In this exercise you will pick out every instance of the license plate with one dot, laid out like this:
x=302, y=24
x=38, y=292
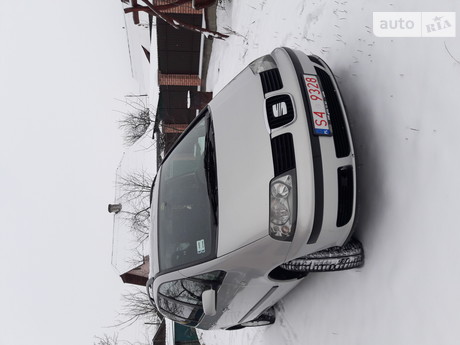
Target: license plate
x=318, y=109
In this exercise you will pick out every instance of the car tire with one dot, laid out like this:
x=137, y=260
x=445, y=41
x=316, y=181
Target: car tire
x=235, y=328
x=267, y=318
x=281, y=274
x=349, y=256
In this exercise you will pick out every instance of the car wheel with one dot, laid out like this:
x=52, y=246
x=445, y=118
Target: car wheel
x=349, y=256
x=234, y=328
x=256, y=323
x=281, y=274
x=268, y=317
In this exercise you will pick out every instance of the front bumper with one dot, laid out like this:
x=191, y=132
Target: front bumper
x=325, y=165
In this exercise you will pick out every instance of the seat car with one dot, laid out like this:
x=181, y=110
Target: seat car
x=258, y=191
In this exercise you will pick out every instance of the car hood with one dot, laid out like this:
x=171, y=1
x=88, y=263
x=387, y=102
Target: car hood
x=244, y=162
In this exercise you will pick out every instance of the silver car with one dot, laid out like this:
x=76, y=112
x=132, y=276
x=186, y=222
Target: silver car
x=258, y=191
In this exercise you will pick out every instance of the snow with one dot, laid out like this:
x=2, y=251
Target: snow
x=138, y=159
x=154, y=88
x=402, y=98
x=138, y=36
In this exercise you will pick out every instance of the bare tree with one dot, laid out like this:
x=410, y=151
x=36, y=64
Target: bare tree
x=136, y=121
x=158, y=11
x=107, y=340
x=135, y=191
x=136, y=185
x=137, y=307
x=139, y=220
x=113, y=340
x=158, y=7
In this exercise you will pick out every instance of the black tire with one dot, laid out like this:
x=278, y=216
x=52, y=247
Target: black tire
x=268, y=317
x=281, y=274
x=235, y=328
x=349, y=256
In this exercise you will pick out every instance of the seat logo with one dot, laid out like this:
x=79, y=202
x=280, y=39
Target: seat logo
x=279, y=109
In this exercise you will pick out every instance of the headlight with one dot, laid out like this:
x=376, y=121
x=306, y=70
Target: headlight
x=279, y=212
x=262, y=64
x=283, y=206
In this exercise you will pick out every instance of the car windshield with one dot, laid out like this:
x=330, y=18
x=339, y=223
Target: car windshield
x=187, y=207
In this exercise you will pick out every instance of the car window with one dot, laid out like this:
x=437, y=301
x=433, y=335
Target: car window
x=187, y=207
x=181, y=299
x=180, y=312
x=184, y=290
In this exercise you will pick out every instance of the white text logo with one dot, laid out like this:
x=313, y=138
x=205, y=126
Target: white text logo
x=414, y=24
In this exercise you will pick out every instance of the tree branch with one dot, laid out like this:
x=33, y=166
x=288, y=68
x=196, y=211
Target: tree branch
x=159, y=8
x=179, y=24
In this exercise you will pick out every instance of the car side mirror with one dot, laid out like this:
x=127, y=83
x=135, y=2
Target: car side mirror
x=208, y=299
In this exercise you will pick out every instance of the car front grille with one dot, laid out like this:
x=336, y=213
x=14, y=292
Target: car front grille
x=283, y=153
x=346, y=191
x=280, y=111
x=339, y=130
x=271, y=80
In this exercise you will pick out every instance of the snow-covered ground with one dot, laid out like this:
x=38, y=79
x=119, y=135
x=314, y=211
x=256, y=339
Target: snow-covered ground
x=403, y=97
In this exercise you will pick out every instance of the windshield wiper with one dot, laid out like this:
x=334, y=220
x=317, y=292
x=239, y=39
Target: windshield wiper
x=210, y=168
